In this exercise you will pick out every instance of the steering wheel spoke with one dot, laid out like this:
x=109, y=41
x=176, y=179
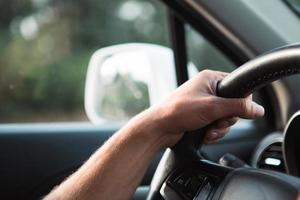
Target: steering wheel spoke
x=197, y=180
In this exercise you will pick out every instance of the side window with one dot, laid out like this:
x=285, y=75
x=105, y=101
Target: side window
x=45, y=46
x=204, y=55
x=126, y=78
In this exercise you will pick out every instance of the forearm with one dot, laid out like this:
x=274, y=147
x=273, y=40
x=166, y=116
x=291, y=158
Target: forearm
x=115, y=170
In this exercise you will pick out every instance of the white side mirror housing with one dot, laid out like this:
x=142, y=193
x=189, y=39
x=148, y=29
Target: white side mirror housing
x=120, y=77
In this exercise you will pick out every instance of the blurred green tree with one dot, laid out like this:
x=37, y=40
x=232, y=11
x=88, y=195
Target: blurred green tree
x=45, y=47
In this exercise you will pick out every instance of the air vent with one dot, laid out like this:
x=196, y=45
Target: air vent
x=271, y=158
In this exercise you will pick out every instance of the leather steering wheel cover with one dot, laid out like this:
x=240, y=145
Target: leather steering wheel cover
x=260, y=71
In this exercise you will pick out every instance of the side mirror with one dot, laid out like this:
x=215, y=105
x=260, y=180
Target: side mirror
x=123, y=80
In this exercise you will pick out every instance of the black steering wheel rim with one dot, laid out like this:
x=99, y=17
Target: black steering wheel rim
x=249, y=77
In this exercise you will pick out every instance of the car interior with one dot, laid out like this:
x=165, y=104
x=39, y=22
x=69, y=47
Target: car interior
x=256, y=41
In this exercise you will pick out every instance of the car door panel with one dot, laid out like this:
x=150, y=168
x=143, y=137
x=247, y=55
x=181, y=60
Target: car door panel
x=35, y=158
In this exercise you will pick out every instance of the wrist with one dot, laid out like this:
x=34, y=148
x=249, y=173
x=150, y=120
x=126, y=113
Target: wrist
x=154, y=126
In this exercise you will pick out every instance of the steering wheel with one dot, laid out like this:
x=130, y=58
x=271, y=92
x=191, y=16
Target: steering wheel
x=183, y=175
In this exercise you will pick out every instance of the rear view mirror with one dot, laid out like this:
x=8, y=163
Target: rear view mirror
x=123, y=80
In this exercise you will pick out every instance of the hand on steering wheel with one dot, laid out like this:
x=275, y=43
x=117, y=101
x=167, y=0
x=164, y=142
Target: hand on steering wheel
x=195, y=105
x=182, y=161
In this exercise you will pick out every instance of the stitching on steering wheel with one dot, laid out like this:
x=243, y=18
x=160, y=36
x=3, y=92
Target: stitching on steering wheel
x=270, y=76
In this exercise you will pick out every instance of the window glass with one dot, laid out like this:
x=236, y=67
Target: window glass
x=45, y=46
x=204, y=55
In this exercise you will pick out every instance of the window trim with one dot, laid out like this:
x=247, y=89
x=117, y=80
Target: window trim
x=221, y=37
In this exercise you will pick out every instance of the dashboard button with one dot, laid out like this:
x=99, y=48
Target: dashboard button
x=205, y=191
x=182, y=181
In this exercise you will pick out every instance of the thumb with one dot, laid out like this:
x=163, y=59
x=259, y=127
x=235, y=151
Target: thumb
x=244, y=108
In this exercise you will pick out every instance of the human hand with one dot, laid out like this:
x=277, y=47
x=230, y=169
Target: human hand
x=195, y=105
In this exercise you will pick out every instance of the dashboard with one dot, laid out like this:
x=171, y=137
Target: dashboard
x=269, y=154
x=278, y=150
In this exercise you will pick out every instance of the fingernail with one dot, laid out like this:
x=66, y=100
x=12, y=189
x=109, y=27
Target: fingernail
x=259, y=110
x=212, y=136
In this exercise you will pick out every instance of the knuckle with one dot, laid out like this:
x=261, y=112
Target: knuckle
x=206, y=72
x=243, y=106
x=251, y=111
x=247, y=108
